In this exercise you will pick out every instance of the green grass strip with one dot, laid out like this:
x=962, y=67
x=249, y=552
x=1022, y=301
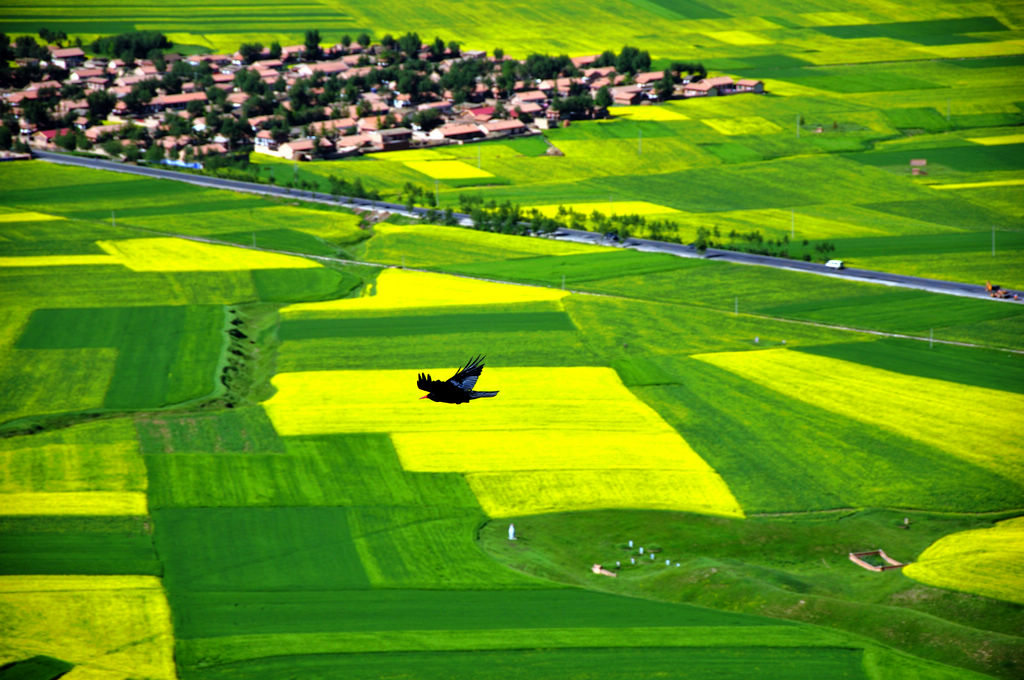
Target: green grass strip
x=387, y=326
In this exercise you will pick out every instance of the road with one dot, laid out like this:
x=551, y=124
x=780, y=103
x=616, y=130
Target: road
x=647, y=245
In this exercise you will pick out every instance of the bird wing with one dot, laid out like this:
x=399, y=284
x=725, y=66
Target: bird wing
x=467, y=376
x=426, y=384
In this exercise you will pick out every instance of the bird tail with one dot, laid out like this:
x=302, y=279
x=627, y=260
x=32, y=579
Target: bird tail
x=477, y=395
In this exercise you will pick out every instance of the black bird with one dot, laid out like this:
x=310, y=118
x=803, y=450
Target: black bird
x=457, y=389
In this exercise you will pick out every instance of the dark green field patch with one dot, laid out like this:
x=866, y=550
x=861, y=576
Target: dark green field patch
x=946, y=210
x=303, y=285
x=281, y=239
x=920, y=244
x=165, y=354
x=218, y=552
x=920, y=118
x=928, y=32
x=240, y=430
x=733, y=152
x=77, y=545
x=689, y=9
x=968, y=158
x=981, y=368
x=305, y=610
x=389, y=326
x=38, y=667
x=700, y=663
x=909, y=311
x=575, y=268
x=28, y=248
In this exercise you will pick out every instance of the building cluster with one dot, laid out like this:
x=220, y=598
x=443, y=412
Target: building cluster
x=379, y=118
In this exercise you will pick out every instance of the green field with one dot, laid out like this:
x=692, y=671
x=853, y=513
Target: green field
x=203, y=477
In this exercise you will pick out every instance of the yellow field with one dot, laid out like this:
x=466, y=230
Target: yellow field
x=28, y=216
x=980, y=185
x=108, y=626
x=742, y=125
x=182, y=255
x=987, y=562
x=400, y=289
x=447, y=169
x=576, y=451
x=74, y=503
x=607, y=208
x=495, y=245
x=653, y=113
x=56, y=260
x=962, y=420
x=739, y=38
x=511, y=494
x=997, y=141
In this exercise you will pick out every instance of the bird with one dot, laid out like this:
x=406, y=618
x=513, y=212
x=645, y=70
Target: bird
x=457, y=389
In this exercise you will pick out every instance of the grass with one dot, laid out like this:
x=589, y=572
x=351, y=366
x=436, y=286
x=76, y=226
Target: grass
x=304, y=329
x=86, y=545
x=795, y=568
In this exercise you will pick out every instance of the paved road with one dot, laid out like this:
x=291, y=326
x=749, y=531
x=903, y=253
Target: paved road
x=899, y=280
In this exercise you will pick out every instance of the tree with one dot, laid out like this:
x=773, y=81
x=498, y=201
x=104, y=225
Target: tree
x=312, y=43
x=250, y=52
x=5, y=137
x=665, y=87
x=66, y=141
x=364, y=40
x=410, y=44
x=195, y=107
x=453, y=47
x=346, y=40
x=101, y=103
x=113, y=147
x=155, y=153
x=275, y=50
x=604, y=97
x=499, y=54
x=49, y=36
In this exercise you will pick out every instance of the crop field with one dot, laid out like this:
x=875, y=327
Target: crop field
x=193, y=435
x=983, y=561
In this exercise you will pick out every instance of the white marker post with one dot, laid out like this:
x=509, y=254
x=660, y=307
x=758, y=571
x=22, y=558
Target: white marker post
x=511, y=532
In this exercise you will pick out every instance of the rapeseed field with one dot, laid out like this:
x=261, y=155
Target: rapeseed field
x=182, y=255
x=987, y=562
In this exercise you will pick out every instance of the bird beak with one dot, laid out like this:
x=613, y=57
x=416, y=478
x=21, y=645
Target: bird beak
x=424, y=396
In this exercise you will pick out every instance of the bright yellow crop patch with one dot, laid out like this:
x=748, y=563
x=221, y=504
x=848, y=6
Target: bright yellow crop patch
x=739, y=38
x=401, y=289
x=183, y=255
x=653, y=113
x=980, y=185
x=742, y=125
x=965, y=421
x=577, y=449
x=607, y=208
x=108, y=626
x=447, y=169
x=998, y=140
x=987, y=562
x=74, y=503
x=28, y=216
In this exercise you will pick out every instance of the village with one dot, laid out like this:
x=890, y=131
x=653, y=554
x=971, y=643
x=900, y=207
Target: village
x=305, y=102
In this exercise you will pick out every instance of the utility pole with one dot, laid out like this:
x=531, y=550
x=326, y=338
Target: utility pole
x=640, y=143
x=113, y=221
x=931, y=338
x=798, y=126
x=563, y=281
x=792, y=224
x=437, y=201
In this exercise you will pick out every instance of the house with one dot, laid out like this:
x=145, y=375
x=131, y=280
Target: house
x=351, y=144
x=297, y=149
x=44, y=138
x=456, y=132
x=335, y=124
x=748, y=85
x=648, y=78
x=66, y=57
x=503, y=128
x=584, y=62
x=530, y=97
x=264, y=142
x=627, y=95
x=392, y=139
x=176, y=102
x=80, y=74
x=709, y=87
x=292, y=52
x=327, y=68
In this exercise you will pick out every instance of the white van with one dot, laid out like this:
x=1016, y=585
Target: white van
x=834, y=264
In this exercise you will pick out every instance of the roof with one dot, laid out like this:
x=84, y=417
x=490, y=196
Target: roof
x=300, y=144
x=172, y=99
x=65, y=52
x=501, y=125
x=455, y=129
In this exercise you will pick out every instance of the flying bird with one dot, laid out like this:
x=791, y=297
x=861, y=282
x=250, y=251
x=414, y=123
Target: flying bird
x=457, y=389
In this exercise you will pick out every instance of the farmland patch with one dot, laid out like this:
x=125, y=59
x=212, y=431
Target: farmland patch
x=183, y=255
x=496, y=322
x=964, y=421
x=983, y=561
x=129, y=631
x=447, y=170
x=646, y=113
x=743, y=125
x=397, y=289
x=574, y=268
x=77, y=545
